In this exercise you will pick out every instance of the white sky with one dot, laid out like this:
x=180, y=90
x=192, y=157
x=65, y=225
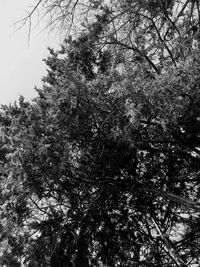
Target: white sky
x=21, y=65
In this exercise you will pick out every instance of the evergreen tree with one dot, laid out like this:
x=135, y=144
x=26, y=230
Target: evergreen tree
x=102, y=168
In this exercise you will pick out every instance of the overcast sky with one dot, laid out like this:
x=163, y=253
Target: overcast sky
x=21, y=65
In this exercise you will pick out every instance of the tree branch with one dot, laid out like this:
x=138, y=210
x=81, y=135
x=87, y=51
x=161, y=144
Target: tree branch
x=168, y=244
x=177, y=199
x=136, y=50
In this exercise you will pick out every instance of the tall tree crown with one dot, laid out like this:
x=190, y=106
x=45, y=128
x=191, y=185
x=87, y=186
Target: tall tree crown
x=102, y=168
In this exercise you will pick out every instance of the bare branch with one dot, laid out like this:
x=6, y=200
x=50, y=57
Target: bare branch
x=28, y=18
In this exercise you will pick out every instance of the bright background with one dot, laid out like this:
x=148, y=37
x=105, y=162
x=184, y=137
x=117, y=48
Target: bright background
x=21, y=62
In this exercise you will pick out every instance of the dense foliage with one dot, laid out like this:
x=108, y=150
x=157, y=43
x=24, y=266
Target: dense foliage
x=102, y=168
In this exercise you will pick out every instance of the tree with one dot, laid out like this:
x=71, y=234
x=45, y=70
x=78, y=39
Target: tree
x=102, y=170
